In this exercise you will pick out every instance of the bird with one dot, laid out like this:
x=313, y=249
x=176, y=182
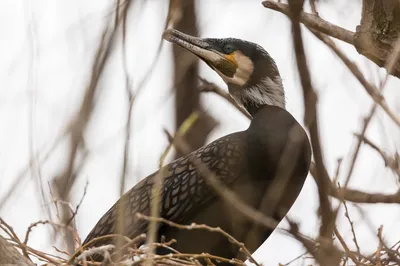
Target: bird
x=265, y=166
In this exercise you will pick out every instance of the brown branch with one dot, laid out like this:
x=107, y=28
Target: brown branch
x=295, y=259
x=373, y=91
x=65, y=181
x=55, y=260
x=311, y=121
x=380, y=246
x=346, y=248
x=207, y=86
x=185, y=73
x=347, y=215
x=315, y=22
x=374, y=38
x=391, y=162
x=363, y=197
x=10, y=256
x=75, y=212
x=324, y=252
x=378, y=31
x=43, y=222
x=353, y=195
x=10, y=231
x=357, y=196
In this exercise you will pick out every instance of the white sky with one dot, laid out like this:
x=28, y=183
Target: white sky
x=46, y=51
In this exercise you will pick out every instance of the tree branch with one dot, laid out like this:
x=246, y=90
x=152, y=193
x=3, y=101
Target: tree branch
x=357, y=196
x=375, y=36
x=315, y=22
x=311, y=121
x=10, y=256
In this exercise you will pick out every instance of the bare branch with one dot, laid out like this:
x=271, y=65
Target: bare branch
x=314, y=22
x=374, y=92
x=347, y=215
x=10, y=256
x=311, y=121
x=391, y=162
x=207, y=86
x=357, y=196
x=346, y=248
x=374, y=39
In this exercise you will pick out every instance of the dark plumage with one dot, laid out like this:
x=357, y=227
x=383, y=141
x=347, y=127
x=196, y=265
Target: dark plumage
x=247, y=162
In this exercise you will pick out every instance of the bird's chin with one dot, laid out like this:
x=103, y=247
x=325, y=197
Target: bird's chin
x=223, y=67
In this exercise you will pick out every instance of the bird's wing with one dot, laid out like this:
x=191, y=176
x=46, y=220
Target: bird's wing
x=184, y=190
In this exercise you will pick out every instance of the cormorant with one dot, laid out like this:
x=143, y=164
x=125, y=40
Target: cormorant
x=265, y=165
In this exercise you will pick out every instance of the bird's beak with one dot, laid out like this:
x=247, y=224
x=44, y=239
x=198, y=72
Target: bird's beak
x=205, y=50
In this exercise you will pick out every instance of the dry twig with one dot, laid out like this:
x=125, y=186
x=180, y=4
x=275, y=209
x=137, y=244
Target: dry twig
x=207, y=86
x=195, y=226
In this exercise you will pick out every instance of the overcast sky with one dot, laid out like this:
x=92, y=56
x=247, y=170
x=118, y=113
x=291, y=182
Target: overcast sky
x=46, y=52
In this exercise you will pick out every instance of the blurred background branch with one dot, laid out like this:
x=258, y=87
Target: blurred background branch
x=186, y=67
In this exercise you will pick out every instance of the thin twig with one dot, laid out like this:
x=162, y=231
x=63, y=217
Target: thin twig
x=346, y=248
x=207, y=86
x=43, y=222
x=347, y=215
x=392, y=163
x=75, y=212
x=93, y=241
x=380, y=245
x=295, y=259
x=14, y=236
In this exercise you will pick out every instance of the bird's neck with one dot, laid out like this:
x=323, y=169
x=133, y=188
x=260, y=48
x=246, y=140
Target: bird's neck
x=253, y=98
x=252, y=108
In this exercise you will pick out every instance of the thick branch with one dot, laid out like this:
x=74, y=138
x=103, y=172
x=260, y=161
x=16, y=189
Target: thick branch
x=315, y=22
x=10, y=256
x=378, y=31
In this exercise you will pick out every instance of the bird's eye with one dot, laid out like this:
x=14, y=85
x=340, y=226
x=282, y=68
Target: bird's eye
x=228, y=48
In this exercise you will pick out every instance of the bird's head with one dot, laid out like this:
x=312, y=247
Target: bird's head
x=249, y=71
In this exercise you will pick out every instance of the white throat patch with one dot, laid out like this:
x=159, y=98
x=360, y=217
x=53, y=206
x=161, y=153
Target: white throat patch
x=270, y=92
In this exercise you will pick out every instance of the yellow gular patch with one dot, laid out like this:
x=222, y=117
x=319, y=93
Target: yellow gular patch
x=231, y=58
x=244, y=68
